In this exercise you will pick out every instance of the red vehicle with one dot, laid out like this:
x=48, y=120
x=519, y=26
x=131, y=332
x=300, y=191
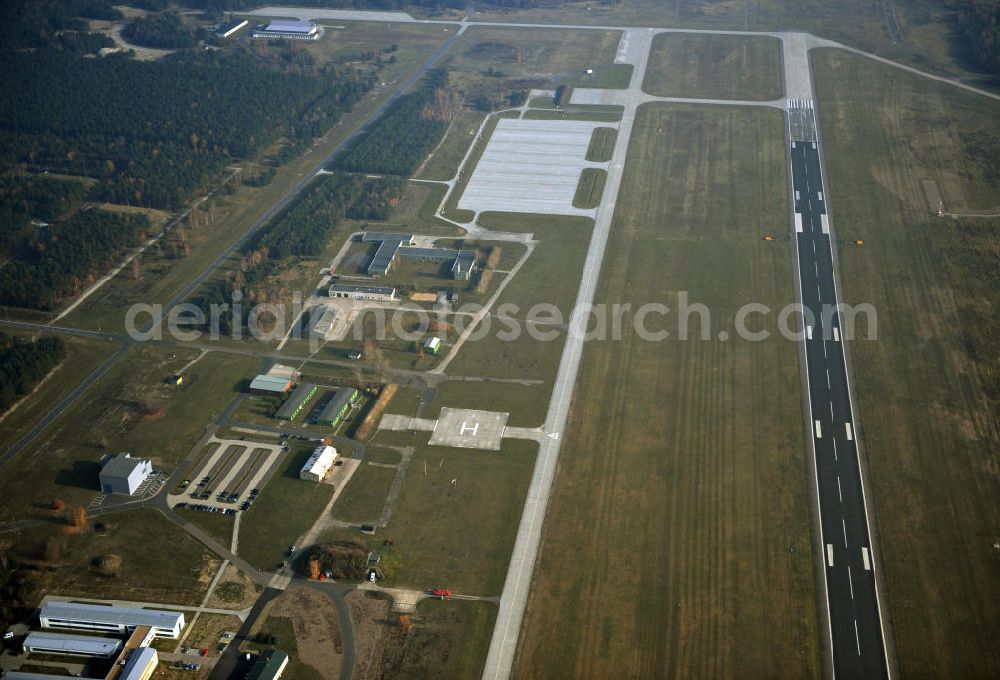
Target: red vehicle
x=441, y=592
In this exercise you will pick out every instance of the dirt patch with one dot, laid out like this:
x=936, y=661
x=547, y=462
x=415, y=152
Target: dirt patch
x=207, y=631
x=372, y=622
x=235, y=590
x=317, y=629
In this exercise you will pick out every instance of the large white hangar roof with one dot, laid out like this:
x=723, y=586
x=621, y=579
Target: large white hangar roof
x=532, y=166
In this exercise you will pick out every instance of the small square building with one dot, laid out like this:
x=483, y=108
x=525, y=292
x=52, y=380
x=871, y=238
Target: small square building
x=123, y=473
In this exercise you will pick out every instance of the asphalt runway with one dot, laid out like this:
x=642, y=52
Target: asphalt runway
x=855, y=619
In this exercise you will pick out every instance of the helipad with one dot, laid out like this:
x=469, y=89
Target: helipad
x=469, y=429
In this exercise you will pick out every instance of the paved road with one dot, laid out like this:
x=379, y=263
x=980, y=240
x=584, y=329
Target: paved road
x=855, y=620
x=500, y=658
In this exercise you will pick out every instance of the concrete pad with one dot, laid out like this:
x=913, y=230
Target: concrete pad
x=391, y=421
x=531, y=166
x=469, y=429
x=590, y=96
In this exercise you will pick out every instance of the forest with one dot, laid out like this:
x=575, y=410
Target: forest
x=304, y=227
x=979, y=25
x=165, y=30
x=401, y=139
x=60, y=259
x=23, y=363
x=154, y=146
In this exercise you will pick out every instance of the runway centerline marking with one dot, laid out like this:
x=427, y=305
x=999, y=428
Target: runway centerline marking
x=857, y=638
x=843, y=523
x=840, y=492
x=828, y=379
x=835, y=450
x=850, y=580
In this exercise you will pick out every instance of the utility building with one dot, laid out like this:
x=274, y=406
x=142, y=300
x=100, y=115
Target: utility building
x=77, y=616
x=318, y=464
x=270, y=386
x=123, y=474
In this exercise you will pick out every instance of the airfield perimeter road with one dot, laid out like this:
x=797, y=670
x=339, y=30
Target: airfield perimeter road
x=500, y=659
x=193, y=284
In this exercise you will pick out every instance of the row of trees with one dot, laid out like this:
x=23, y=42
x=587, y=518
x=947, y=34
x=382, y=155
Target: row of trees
x=403, y=137
x=304, y=227
x=23, y=363
x=154, y=131
x=61, y=259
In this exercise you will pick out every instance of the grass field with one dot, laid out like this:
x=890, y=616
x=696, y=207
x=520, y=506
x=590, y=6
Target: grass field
x=448, y=640
x=130, y=409
x=931, y=440
x=285, y=509
x=534, y=51
x=677, y=541
x=173, y=569
x=364, y=496
x=460, y=534
x=590, y=189
x=443, y=163
x=714, y=66
x=602, y=145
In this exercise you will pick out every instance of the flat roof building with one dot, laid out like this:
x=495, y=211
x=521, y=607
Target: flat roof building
x=323, y=326
x=295, y=403
x=372, y=236
x=229, y=29
x=338, y=407
x=294, y=30
x=318, y=464
x=269, y=385
x=381, y=293
x=123, y=474
x=269, y=666
x=79, y=616
x=140, y=664
x=383, y=258
x=38, y=642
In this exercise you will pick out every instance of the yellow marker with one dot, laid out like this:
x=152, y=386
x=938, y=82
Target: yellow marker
x=859, y=242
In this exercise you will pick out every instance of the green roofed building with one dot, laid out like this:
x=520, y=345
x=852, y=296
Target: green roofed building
x=295, y=403
x=338, y=407
x=269, y=666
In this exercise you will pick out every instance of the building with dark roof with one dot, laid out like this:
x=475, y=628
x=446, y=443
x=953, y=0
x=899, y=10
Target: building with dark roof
x=295, y=403
x=461, y=268
x=375, y=236
x=338, y=407
x=383, y=258
x=269, y=666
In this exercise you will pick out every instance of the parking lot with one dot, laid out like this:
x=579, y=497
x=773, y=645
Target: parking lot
x=229, y=478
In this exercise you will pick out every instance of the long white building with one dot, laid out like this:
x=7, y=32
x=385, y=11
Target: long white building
x=38, y=642
x=77, y=616
x=319, y=463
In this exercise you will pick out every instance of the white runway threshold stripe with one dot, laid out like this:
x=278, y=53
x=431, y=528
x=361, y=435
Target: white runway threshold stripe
x=809, y=332
x=819, y=430
x=865, y=559
x=850, y=431
x=825, y=223
x=798, y=222
x=829, y=554
x=836, y=334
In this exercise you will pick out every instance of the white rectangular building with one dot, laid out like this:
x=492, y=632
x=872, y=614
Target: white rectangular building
x=38, y=642
x=123, y=474
x=79, y=616
x=319, y=463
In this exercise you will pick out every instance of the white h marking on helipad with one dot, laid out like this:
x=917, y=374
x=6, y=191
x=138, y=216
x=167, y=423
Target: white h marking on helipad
x=466, y=427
